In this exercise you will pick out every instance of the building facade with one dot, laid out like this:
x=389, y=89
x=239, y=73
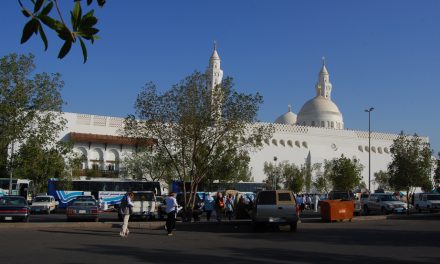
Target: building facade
x=312, y=136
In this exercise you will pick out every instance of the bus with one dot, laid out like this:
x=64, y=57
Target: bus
x=108, y=191
x=22, y=187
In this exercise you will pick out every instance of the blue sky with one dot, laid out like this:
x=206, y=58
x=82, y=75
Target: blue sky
x=384, y=54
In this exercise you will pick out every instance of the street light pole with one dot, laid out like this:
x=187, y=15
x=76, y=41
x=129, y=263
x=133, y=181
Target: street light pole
x=369, y=146
x=11, y=167
x=275, y=173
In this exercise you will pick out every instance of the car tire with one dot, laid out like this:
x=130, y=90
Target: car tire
x=294, y=227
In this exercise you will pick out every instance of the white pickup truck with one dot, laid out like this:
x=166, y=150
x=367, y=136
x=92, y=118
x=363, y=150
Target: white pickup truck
x=427, y=201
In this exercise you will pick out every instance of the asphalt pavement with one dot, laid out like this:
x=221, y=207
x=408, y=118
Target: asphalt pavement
x=403, y=240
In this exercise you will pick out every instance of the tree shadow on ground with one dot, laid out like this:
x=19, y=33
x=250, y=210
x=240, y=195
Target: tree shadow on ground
x=230, y=255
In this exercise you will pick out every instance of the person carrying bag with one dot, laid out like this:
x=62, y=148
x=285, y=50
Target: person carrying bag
x=126, y=209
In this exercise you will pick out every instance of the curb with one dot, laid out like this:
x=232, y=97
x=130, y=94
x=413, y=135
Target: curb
x=134, y=225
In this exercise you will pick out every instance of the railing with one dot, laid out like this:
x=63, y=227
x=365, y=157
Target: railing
x=97, y=173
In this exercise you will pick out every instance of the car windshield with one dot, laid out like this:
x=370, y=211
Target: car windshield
x=13, y=201
x=387, y=198
x=41, y=199
x=84, y=203
x=434, y=197
x=143, y=197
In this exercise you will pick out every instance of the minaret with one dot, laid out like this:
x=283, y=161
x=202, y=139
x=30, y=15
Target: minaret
x=214, y=72
x=215, y=76
x=323, y=86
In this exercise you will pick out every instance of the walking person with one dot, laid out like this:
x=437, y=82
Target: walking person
x=316, y=201
x=209, y=206
x=125, y=209
x=171, y=211
x=229, y=206
x=219, y=204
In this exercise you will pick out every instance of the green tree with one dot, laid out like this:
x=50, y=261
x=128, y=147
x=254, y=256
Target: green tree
x=149, y=163
x=274, y=178
x=81, y=28
x=411, y=164
x=197, y=127
x=382, y=178
x=436, y=178
x=344, y=173
x=29, y=105
x=295, y=178
x=38, y=162
x=285, y=174
x=322, y=182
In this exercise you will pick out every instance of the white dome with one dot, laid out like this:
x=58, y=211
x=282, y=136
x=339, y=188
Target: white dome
x=320, y=112
x=288, y=118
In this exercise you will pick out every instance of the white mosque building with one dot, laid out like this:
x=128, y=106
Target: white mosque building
x=313, y=135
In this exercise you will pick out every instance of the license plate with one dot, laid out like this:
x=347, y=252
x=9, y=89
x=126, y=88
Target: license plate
x=82, y=211
x=37, y=210
x=8, y=218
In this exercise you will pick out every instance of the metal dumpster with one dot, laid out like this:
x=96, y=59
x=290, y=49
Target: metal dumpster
x=337, y=210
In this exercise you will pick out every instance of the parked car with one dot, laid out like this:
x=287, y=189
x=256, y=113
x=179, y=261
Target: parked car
x=427, y=201
x=385, y=203
x=14, y=208
x=43, y=204
x=83, y=207
x=275, y=208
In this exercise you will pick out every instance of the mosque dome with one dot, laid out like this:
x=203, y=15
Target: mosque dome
x=289, y=118
x=321, y=111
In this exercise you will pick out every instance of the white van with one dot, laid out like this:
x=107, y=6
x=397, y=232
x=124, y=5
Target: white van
x=427, y=201
x=144, y=205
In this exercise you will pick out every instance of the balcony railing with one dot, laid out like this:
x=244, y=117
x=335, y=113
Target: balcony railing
x=97, y=173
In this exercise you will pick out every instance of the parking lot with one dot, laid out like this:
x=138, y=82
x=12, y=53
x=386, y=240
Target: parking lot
x=404, y=240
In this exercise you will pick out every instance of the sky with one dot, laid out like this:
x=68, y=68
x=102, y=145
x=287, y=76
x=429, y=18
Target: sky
x=381, y=54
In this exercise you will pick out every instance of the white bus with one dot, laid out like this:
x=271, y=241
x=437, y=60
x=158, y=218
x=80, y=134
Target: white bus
x=22, y=187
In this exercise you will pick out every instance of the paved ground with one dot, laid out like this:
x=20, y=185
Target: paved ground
x=415, y=240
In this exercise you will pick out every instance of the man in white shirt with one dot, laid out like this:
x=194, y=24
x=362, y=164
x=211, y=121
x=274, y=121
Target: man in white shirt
x=171, y=211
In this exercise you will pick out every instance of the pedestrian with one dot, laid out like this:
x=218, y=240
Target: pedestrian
x=171, y=211
x=316, y=201
x=299, y=202
x=126, y=209
x=219, y=205
x=209, y=206
x=303, y=203
x=229, y=206
x=308, y=201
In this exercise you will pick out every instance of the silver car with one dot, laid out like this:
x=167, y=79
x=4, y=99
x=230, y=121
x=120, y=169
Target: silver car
x=385, y=203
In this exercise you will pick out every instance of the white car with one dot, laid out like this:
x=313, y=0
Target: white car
x=43, y=204
x=427, y=201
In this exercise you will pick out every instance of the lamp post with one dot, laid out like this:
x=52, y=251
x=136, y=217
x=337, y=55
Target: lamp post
x=369, y=146
x=275, y=173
